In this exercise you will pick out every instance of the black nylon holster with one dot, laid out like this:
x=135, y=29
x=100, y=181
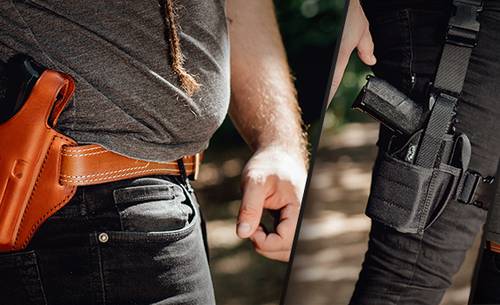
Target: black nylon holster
x=425, y=164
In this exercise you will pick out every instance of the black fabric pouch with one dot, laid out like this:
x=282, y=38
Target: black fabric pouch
x=408, y=197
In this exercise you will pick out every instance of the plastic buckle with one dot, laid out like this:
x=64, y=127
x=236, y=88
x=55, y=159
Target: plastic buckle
x=471, y=182
x=463, y=27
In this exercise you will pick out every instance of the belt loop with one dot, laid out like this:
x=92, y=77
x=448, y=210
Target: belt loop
x=182, y=169
x=197, y=163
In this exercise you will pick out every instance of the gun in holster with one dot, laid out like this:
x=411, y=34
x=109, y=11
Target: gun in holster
x=399, y=114
x=30, y=190
x=425, y=163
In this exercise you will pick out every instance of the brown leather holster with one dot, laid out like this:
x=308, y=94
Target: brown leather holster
x=30, y=161
x=41, y=168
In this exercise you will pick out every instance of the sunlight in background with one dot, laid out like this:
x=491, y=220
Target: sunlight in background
x=332, y=224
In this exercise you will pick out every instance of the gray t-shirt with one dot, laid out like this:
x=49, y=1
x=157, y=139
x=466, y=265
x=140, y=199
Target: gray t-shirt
x=128, y=99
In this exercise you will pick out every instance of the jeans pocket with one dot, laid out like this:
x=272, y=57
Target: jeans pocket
x=138, y=268
x=159, y=256
x=20, y=281
x=154, y=209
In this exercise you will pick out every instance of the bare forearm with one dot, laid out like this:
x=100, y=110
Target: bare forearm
x=264, y=105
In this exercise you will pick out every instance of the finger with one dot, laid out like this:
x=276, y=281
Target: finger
x=366, y=48
x=280, y=255
x=288, y=224
x=252, y=204
x=271, y=242
x=276, y=253
x=282, y=240
x=283, y=256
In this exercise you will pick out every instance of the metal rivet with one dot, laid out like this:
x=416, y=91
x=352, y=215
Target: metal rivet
x=103, y=238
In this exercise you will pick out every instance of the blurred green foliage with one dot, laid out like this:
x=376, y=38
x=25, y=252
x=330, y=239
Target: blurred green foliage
x=306, y=23
x=315, y=24
x=309, y=29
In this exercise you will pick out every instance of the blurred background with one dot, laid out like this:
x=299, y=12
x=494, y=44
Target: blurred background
x=334, y=233
x=309, y=29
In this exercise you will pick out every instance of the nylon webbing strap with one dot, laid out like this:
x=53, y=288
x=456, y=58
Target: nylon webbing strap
x=461, y=37
x=451, y=73
x=439, y=123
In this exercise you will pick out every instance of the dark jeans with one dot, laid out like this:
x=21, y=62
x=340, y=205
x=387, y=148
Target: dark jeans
x=488, y=279
x=136, y=241
x=408, y=35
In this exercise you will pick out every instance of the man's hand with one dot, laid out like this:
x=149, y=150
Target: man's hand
x=356, y=35
x=274, y=180
x=265, y=111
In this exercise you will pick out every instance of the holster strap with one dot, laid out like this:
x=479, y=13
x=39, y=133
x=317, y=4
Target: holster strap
x=93, y=164
x=461, y=38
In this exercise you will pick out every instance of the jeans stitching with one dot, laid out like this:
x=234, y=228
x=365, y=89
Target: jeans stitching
x=150, y=196
x=101, y=273
x=42, y=290
x=410, y=65
x=158, y=195
x=120, y=220
x=28, y=278
x=413, y=272
x=410, y=42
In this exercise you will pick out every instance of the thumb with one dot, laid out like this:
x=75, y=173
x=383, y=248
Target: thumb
x=366, y=48
x=252, y=205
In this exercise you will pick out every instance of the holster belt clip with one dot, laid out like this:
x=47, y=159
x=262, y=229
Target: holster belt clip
x=463, y=27
x=472, y=187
